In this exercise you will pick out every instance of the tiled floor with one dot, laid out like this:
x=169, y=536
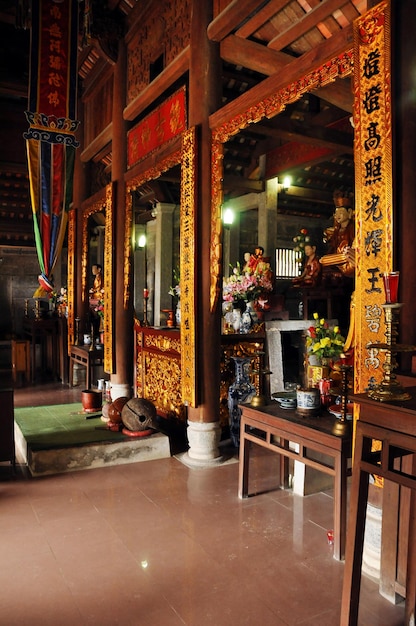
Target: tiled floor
x=159, y=544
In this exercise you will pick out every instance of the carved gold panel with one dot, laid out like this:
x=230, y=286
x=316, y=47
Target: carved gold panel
x=158, y=370
x=188, y=267
x=374, y=203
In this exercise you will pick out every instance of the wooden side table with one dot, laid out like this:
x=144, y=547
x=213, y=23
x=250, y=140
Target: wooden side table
x=274, y=428
x=393, y=424
x=45, y=333
x=87, y=358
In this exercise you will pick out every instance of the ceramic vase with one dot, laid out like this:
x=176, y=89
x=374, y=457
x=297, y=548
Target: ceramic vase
x=236, y=319
x=241, y=390
x=248, y=318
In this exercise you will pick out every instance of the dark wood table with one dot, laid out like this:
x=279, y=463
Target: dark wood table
x=274, y=428
x=393, y=424
x=88, y=358
x=43, y=331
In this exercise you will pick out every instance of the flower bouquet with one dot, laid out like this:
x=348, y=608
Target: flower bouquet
x=324, y=342
x=247, y=286
x=175, y=290
x=99, y=308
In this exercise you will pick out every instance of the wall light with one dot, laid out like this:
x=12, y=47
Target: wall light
x=287, y=181
x=141, y=241
x=228, y=216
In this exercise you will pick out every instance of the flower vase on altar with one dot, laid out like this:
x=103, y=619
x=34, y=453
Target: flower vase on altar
x=241, y=390
x=242, y=289
x=248, y=318
x=324, y=344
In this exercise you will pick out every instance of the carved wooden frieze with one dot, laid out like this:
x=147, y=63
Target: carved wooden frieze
x=164, y=31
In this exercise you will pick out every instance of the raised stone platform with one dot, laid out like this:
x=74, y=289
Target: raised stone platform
x=58, y=439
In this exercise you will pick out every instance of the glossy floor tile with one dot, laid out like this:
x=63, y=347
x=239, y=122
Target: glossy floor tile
x=160, y=544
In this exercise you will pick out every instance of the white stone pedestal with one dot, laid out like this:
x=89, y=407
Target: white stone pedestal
x=120, y=390
x=203, y=439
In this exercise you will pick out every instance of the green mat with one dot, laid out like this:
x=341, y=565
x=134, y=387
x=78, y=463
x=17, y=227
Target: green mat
x=63, y=425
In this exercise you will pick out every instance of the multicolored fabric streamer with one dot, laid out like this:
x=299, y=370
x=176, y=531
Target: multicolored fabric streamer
x=50, y=140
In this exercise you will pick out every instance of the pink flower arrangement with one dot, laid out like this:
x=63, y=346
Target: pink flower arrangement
x=99, y=308
x=247, y=286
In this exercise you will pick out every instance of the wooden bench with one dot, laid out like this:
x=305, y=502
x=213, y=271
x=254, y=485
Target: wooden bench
x=275, y=428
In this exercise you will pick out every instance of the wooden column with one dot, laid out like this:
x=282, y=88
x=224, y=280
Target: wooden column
x=79, y=194
x=121, y=379
x=204, y=98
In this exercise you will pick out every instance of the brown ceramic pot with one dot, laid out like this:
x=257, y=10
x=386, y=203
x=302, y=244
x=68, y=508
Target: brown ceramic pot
x=91, y=400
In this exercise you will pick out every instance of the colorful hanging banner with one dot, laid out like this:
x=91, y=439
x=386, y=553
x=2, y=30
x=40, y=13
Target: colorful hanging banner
x=162, y=125
x=50, y=139
x=373, y=198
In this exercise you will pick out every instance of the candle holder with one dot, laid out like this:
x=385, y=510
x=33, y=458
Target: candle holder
x=170, y=321
x=92, y=344
x=258, y=371
x=145, y=321
x=76, y=333
x=345, y=369
x=38, y=314
x=390, y=390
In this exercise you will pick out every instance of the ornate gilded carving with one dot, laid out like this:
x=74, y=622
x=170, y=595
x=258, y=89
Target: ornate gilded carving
x=102, y=202
x=164, y=343
x=158, y=370
x=162, y=384
x=374, y=205
x=188, y=267
x=338, y=67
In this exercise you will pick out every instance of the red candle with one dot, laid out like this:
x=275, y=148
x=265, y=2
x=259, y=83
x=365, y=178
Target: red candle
x=391, y=286
x=145, y=293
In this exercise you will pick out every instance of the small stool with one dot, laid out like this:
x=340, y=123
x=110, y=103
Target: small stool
x=394, y=425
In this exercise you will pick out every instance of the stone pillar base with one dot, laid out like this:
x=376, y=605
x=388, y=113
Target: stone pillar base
x=203, y=439
x=120, y=390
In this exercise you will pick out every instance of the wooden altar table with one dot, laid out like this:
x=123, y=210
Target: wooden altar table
x=274, y=428
x=393, y=424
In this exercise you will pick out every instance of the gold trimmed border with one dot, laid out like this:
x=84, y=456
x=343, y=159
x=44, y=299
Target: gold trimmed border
x=72, y=225
x=374, y=182
x=188, y=267
x=103, y=200
x=338, y=67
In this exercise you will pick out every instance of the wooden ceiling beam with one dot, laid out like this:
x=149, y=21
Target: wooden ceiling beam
x=293, y=71
x=252, y=55
x=338, y=94
x=243, y=184
x=232, y=17
x=261, y=17
x=321, y=12
x=315, y=135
